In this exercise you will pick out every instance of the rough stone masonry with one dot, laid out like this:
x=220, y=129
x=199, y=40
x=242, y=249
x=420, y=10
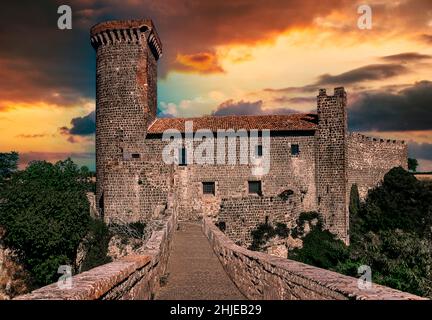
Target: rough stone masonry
x=314, y=160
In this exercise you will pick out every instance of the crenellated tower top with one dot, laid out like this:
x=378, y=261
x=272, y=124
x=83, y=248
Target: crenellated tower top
x=129, y=31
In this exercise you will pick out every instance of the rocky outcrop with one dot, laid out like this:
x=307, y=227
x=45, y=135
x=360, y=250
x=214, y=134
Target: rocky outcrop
x=13, y=276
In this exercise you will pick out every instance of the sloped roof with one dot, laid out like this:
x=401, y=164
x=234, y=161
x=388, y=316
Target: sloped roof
x=288, y=122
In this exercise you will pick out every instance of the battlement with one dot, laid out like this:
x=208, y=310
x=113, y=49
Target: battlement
x=337, y=92
x=362, y=137
x=128, y=31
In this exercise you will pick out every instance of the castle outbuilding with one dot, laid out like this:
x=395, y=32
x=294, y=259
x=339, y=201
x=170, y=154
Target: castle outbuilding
x=313, y=159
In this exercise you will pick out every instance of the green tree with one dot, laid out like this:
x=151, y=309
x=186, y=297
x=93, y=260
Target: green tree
x=390, y=232
x=398, y=259
x=320, y=247
x=8, y=165
x=45, y=213
x=412, y=164
x=96, y=245
x=354, y=204
x=400, y=202
x=264, y=232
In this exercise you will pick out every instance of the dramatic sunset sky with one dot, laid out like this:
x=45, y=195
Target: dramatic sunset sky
x=220, y=57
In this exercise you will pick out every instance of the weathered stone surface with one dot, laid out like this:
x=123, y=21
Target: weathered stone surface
x=262, y=276
x=369, y=159
x=13, y=276
x=194, y=272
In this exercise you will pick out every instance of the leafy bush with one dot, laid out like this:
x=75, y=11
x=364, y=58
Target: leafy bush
x=401, y=202
x=320, y=248
x=96, y=245
x=354, y=204
x=306, y=217
x=264, y=232
x=390, y=232
x=45, y=213
x=412, y=164
x=8, y=164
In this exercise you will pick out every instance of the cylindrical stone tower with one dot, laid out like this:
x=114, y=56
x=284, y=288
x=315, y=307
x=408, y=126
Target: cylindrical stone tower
x=126, y=89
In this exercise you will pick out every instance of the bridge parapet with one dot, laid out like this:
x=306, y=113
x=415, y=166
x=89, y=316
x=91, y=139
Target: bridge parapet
x=130, y=278
x=260, y=276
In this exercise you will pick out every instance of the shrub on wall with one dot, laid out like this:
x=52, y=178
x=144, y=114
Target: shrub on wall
x=96, y=245
x=264, y=232
x=320, y=247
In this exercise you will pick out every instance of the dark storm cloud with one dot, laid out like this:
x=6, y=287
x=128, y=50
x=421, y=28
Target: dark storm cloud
x=366, y=73
x=408, y=109
x=290, y=90
x=84, y=126
x=351, y=77
x=39, y=62
x=406, y=57
x=426, y=38
x=295, y=100
x=81, y=126
x=32, y=136
x=190, y=27
x=230, y=107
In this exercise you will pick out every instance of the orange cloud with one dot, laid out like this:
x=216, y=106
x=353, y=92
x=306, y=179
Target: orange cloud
x=203, y=62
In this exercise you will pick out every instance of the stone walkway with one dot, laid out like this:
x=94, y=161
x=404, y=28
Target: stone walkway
x=194, y=271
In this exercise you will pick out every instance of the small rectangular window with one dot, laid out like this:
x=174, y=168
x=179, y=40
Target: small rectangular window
x=295, y=149
x=208, y=188
x=135, y=155
x=258, y=151
x=182, y=157
x=255, y=187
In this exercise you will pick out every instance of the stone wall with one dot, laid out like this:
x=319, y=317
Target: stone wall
x=242, y=215
x=287, y=172
x=331, y=161
x=260, y=276
x=130, y=278
x=369, y=159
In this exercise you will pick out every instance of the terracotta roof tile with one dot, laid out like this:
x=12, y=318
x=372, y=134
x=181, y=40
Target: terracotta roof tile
x=289, y=122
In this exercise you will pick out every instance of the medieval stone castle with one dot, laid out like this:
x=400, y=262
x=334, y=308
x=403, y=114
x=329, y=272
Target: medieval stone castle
x=314, y=160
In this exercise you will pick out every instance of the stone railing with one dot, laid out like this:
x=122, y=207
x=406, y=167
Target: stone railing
x=262, y=276
x=131, y=278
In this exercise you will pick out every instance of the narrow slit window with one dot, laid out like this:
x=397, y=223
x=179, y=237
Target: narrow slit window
x=135, y=155
x=295, y=149
x=258, y=151
x=182, y=157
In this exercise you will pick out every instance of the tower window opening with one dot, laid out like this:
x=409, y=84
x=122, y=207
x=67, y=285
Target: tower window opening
x=258, y=151
x=255, y=187
x=208, y=188
x=295, y=149
x=182, y=156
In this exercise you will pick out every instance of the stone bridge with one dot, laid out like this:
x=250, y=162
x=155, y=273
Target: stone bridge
x=195, y=260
